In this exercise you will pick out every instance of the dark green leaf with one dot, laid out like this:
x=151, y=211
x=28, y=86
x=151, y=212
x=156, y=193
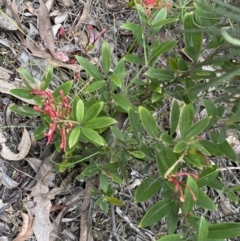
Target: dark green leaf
x=47, y=77
x=174, y=116
x=137, y=154
x=161, y=75
x=95, y=86
x=172, y=218
x=99, y=123
x=73, y=136
x=93, y=111
x=203, y=229
x=39, y=132
x=192, y=39
x=207, y=175
x=160, y=49
x=180, y=147
x=132, y=58
x=122, y=101
x=66, y=87
x=147, y=188
x=104, y=183
x=90, y=170
x=160, y=16
x=24, y=110
x=134, y=119
x=205, y=201
x=106, y=56
x=228, y=151
x=186, y=119
x=89, y=68
x=148, y=122
x=156, y=213
x=27, y=79
x=93, y=136
x=189, y=198
x=21, y=93
x=224, y=230
x=197, y=128
x=78, y=109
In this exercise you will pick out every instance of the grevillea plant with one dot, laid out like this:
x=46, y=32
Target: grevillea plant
x=110, y=123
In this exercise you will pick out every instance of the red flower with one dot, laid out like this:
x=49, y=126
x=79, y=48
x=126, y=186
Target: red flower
x=173, y=178
x=59, y=115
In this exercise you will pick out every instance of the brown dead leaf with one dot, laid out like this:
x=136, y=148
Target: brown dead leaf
x=45, y=27
x=66, y=3
x=23, y=148
x=27, y=230
x=83, y=17
x=42, y=227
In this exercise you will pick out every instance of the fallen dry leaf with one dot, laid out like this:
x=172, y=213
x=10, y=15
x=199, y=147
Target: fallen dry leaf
x=5, y=179
x=42, y=227
x=66, y=3
x=23, y=148
x=27, y=230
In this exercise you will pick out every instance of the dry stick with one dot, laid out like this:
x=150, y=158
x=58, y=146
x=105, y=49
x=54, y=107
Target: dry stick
x=144, y=235
x=114, y=230
x=86, y=216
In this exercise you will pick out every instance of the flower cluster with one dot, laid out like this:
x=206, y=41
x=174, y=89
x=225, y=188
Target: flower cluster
x=154, y=4
x=174, y=179
x=59, y=115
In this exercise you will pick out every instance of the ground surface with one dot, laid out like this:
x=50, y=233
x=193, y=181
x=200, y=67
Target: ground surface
x=29, y=184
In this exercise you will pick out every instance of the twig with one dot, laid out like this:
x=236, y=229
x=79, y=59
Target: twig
x=144, y=235
x=114, y=229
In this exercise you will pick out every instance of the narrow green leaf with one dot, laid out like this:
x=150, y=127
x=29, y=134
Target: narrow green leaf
x=90, y=170
x=132, y=58
x=78, y=109
x=172, y=218
x=39, y=132
x=161, y=15
x=27, y=79
x=180, y=147
x=203, y=229
x=156, y=213
x=73, y=137
x=24, y=110
x=134, y=119
x=163, y=22
x=190, y=198
x=93, y=136
x=197, y=128
x=210, y=108
x=174, y=116
x=99, y=123
x=21, y=93
x=90, y=68
x=115, y=201
x=148, y=122
x=205, y=201
x=95, y=86
x=211, y=147
x=186, y=119
x=104, y=182
x=173, y=237
x=147, y=188
x=120, y=68
x=116, y=79
x=106, y=56
x=160, y=49
x=66, y=87
x=228, y=150
x=47, y=77
x=192, y=39
x=122, y=101
x=224, y=230
x=137, y=154
x=93, y=111
x=161, y=75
